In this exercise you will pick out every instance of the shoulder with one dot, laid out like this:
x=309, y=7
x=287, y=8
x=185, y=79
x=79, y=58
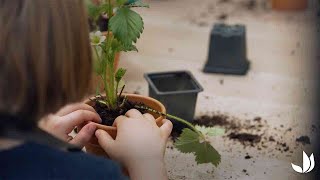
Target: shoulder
x=43, y=162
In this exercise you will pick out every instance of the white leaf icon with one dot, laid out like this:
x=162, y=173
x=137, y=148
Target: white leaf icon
x=312, y=163
x=296, y=168
x=306, y=162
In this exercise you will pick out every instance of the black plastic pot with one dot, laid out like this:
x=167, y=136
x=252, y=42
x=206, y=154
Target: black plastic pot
x=177, y=90
x=227, y=51
x=103, y=23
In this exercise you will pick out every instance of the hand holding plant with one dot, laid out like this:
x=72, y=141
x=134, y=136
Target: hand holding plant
x=67, y=118
x=140, y=154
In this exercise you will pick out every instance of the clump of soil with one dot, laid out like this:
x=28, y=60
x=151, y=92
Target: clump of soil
x=223, y=17
x=251, y=4
x=247, y=156
x=108, y=116
x=214, y=120
x=245, y=138
x=304, y=140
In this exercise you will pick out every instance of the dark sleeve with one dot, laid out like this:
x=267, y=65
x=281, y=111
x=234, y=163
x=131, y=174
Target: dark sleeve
x=36, y=161
x=101, y=168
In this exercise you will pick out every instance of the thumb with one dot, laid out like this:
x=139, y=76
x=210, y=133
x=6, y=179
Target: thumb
x=105, y=140
x=166, y=128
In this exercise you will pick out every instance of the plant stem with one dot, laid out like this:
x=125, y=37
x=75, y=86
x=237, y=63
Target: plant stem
x=110, y=10
x=122, y=90
x=172, y=117
x=117, y=86
x=96, y=52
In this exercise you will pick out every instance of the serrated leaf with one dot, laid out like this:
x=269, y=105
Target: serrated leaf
x=119, y=74
x=205, y=153
x=126, y=26
x=138, y=3
x=189, y=142
x=117, y=46
x=211, y=131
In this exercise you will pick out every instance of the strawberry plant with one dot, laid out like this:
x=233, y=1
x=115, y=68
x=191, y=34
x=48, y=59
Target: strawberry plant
x=124, y=29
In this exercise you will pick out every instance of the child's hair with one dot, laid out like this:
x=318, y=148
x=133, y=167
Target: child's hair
x=45, y=56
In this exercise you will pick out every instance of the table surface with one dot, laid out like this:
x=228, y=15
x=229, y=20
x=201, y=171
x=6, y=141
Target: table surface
x=282, y=49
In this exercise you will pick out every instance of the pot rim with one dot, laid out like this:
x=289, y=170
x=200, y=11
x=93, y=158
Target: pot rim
x=113, y=128
x=198, y=88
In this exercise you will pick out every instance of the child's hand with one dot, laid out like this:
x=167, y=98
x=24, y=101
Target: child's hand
x=64, y=121
x=140, y=144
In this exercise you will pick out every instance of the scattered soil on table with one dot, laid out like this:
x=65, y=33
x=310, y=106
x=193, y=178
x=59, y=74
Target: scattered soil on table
x=250, y=4
x=223, y=17
x=245, y=138
x=214, y=120
x=247, y=156
x=255, y=132
x=304, y=140
x=108, y=116
x=222, y=10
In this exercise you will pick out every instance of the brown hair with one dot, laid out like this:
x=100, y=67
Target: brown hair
x=45, y=57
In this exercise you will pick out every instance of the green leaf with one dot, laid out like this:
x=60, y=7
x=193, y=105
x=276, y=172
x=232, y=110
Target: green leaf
x=104, y=8
x=119, y=74
x=92, y=9
x=126, y=26
x=186, y=140
x=210, y=131
x=138, y=3
x=130, y=48
x=191, y=142
x=205, y=153
x=117, y=46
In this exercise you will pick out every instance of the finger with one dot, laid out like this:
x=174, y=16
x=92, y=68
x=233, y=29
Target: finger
x=84, y=135
x=105, y=140
x=80, y=116
x=133, y=113
x=119, y=120
x=148, y=116
x=69, y=138
x=166, y=128
x=74, y=107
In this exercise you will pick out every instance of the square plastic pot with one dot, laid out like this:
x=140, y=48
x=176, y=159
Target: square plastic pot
x=227, y=50
x=177, y=91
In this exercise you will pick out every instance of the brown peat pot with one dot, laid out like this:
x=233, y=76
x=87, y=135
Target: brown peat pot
x=93, y=146
x=289, y=4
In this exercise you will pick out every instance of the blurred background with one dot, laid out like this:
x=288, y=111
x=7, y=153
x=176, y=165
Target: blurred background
x=274, y=102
